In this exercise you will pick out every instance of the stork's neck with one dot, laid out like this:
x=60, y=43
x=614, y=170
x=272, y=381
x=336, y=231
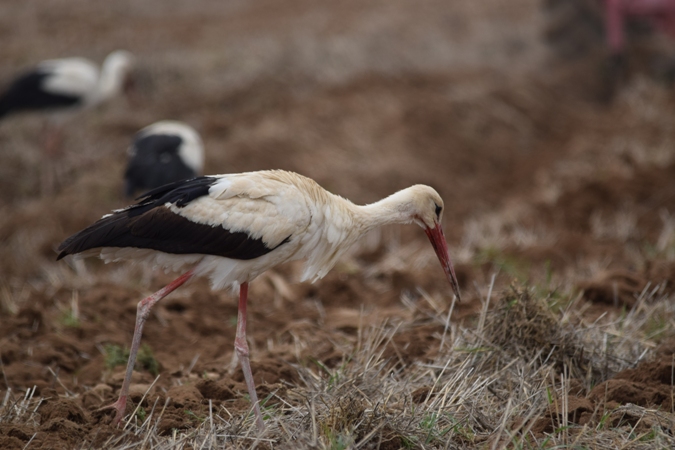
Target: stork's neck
x=394, y=209
x=111, y=80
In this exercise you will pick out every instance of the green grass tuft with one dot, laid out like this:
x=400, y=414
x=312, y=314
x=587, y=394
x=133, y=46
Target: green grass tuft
x=116, y=355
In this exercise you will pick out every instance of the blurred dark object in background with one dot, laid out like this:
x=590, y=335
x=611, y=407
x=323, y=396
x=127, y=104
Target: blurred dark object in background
x=617, y=39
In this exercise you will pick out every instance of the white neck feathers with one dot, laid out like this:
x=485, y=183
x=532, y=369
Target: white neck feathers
x=113, y=72
x=395, y=209
x=343, y=223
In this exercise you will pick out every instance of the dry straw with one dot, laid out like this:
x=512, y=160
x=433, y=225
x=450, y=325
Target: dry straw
x=489, y=386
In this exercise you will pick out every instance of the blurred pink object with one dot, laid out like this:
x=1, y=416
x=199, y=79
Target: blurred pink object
x=661, y=13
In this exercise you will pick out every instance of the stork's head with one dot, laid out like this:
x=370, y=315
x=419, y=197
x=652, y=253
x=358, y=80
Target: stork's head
x=425, y=207
x=117, y=74
x=120, y=61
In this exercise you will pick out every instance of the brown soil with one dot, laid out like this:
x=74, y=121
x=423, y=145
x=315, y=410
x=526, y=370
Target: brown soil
x=509, y=146
x=649, y=385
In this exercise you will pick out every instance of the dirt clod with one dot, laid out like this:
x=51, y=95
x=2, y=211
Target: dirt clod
x=185, y=396
x=63, y=408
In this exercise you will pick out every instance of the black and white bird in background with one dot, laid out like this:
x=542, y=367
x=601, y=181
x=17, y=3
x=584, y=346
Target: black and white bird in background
x=163, y=153
x=232, y=228
x=60, y=88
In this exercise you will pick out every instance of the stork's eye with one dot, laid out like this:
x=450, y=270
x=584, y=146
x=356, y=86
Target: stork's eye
x=439, y=209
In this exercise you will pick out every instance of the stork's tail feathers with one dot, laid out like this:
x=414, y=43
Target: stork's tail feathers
x=115, y=230
x=4, y=109
x=102, y=233
x=6, y=104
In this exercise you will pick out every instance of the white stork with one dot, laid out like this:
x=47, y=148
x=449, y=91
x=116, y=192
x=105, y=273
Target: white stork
x=62, y=87
x=234, y=227
x=162, y=153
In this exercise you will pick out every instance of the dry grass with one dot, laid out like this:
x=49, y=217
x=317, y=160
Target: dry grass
x=485, y=388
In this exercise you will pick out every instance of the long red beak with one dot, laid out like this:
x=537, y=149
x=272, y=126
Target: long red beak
x=437, y=239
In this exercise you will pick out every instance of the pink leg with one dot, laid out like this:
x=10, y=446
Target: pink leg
x=142, y=313
x=53, y=141
x=241, y=347
x=49, y=178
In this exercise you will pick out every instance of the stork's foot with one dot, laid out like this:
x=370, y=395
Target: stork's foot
x=119, y=406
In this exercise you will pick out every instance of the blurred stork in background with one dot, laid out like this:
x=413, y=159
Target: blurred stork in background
x=61, y=88
x=162, y=153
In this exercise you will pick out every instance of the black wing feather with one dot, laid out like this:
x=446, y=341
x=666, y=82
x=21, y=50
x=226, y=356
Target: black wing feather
x=156, y=162
x=150, y=224
x=27, y=93
x=179, y=192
